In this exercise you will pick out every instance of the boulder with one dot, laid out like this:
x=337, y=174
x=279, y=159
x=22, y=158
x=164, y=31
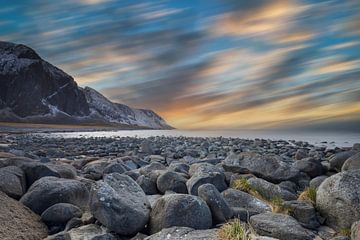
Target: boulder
x=120, y=204
x=13, y=181
x=148, y=183
x=48, y=191
x=239, y=199
x=151, y=167
x=64, y=170
x=95, y=169
x=19, y=222
x=220, y=209
x=171, y=181
x=300, y=154
x=338, y=199
x=60, y=213
x=281, y=226
x=269, y=167
x=338, y=159
x=179, y=167
x=115, y=167
x=315, y=182
x=355, y=230
x=179, y=210
x=269, y=190
x=36, y=170
x=352, y=163
x=184, y=233
x=304, y=213
x=311, y=167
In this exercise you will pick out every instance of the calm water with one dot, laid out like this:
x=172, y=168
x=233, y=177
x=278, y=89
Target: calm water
x=333, y=139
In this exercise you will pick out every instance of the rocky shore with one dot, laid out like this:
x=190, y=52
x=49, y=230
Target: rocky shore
x=176, y=188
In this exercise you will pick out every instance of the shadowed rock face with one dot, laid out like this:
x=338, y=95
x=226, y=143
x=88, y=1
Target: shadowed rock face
x=31, y=86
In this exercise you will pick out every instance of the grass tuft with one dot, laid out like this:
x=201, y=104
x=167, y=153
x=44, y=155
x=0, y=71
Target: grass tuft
x=242, y=184
x=278, y=206
x=235, y=230
x=308, y=195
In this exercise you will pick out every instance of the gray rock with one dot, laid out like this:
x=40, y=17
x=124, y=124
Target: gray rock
x=171, y=181
x=95, y=169
x=304, y=213
x=269, y=167
x=179, y=167
x=352, y=163
x=238, y=199
x=355, y=230
x=148, y=184
x=338, y=199
x=60, y=214
x=184, y=233
x=215, y=178
x=269, y=190
x=151, y=167
x=35, y=171
x=146, y=147
x=64, y=170
x=311, y=167
x=13, y=181
x=120, y=204
x=48, y=191
x=300, y=154
x=115, y=167
x=220, y=209
x=338, y=159
x=179, y=210
x=315, y=182
x=280, y=226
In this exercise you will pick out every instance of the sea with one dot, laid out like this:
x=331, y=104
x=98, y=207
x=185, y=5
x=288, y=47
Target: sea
x=326, y=139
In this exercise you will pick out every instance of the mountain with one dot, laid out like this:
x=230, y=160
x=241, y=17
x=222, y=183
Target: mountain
x=34, y=91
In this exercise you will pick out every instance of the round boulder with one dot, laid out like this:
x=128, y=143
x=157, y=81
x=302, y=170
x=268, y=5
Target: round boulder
x=338, y=199
x=171, y=181
x=48, y=191
x=120, y=204
x=352, y=163
x=60, y=213
x=13, y=181
x=180, y=210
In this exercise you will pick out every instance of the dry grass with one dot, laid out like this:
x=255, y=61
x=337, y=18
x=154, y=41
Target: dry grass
x=308, y=195
x=277, y=206
x=235, y=230
x=242, y=184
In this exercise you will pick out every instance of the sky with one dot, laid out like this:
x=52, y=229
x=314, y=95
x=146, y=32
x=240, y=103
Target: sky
x=205, y=64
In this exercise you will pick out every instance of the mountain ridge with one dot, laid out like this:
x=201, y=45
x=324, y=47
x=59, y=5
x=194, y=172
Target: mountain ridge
x=32, y=90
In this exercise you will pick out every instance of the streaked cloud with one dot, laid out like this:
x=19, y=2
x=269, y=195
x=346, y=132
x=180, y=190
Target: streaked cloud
x=219, y=64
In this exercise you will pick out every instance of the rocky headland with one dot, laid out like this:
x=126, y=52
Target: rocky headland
x=176, y=188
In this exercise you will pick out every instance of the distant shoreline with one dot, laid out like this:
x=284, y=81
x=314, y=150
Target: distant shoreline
x=11, y=127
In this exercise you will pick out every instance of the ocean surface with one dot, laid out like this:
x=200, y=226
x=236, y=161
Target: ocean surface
x=328, y=139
